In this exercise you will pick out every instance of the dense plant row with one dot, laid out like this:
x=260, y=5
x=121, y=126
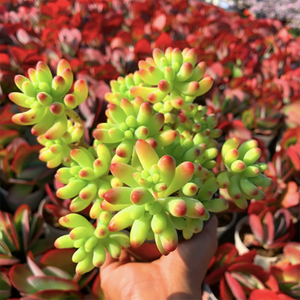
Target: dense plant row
x=256, y=72
x=285, y=11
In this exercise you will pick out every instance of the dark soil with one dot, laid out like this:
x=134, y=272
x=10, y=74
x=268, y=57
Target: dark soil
x=224, y=219
x=265, y=252
x=248, y=239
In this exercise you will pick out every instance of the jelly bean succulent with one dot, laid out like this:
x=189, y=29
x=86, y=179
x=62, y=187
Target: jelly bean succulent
x=150, y=168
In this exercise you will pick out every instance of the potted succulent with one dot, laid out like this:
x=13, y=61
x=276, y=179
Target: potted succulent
x=5, y=284
x=22, y=174
x=263, y=120
x=150, y=166
x=287, y=271
x=231, y=276
x=53, y=277
x=265, y=229
x=21, y=233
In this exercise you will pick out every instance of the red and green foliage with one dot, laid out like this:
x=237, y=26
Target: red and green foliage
x=237, y=276
x=287, y=272
x=271, y=228
x=52, y=278
x=20, y=234
x=256, y=72
x=22, y=174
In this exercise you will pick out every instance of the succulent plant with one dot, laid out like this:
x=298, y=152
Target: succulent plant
x=291, y=113
x=22, y=174
x=53, y=278
x=20, y=234
x=48, y=99
x=262, y=119
x=287, y=272
x=8, y=129
x=5, y=284
x=130, y=122
x=56, y=152
x=271, y=230
x=236, y=275
x=267, y=294
x=287, y=277
x=174, y=77
x=91, y=242
x=291, y=252
x=149, y=201
x=151, y=161
x=244, y=174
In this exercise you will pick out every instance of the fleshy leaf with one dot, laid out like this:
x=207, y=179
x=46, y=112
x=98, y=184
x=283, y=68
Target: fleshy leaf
x=60, y=258
x=147, y=155
x=18, y=275
x=52, y=283
x=235, y=287
x=256, y=227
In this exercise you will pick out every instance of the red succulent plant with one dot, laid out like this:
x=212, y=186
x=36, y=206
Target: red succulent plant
x=236, y=276
x=272, y=228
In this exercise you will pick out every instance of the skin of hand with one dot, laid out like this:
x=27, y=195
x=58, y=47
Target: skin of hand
x=176, y=276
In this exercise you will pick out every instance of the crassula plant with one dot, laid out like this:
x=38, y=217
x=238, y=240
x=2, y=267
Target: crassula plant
x=287, y=271
x=21, y=233
x=150, y=166
x=22, y=174
x=271, y=229
x=53, y=277
x=234, y=276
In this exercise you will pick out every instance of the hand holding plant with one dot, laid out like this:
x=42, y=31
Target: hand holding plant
x=177, y=276
x=151, y=163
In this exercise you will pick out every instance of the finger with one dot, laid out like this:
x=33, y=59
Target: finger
x=208, y=238
x=198, y=250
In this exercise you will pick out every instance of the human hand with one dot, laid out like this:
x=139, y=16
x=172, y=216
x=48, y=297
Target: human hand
x=177, y=276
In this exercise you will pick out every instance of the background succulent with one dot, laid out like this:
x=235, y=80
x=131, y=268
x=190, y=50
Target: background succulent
x=20, y=234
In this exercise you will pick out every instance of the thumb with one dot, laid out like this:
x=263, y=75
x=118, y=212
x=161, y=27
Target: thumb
x=204, y=243
x=199, y=250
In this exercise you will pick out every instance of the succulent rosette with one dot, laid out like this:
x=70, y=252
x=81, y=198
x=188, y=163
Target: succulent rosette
x=151, y=204
x=195, y=119
x=86, y=179
x=120, y=88
x=174, y=81
x=91, y=241
x=48, y=99
x=57, y=151
x=244, y=176
x=129, y=122
x=195, y=148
